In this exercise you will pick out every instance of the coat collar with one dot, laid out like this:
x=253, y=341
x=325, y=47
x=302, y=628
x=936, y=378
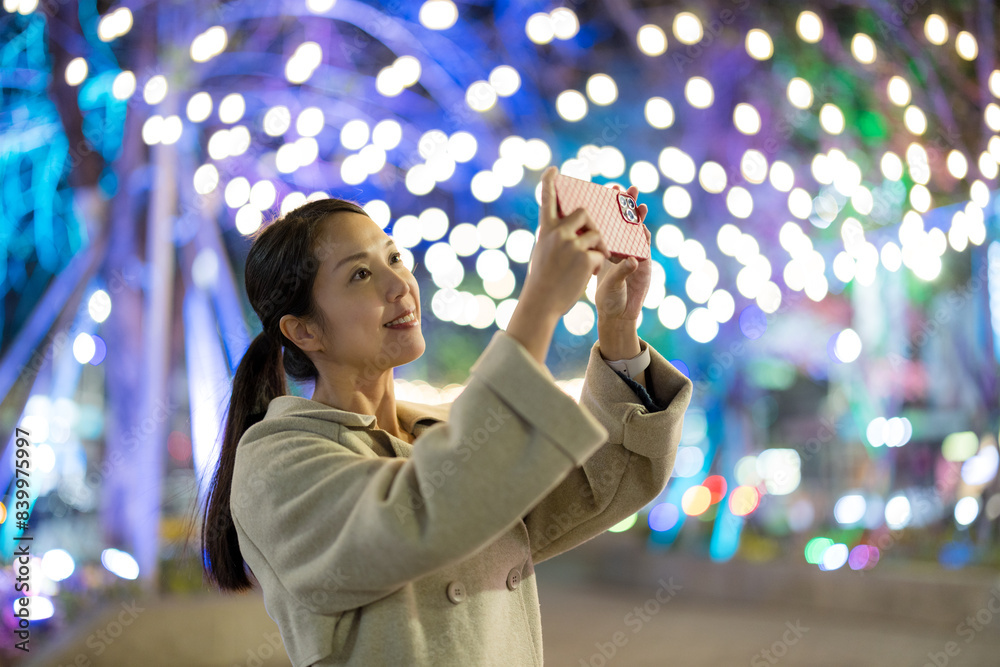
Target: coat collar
x=408, y=412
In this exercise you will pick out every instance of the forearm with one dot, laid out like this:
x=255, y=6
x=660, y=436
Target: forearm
x=533, y=327
x=620, y=340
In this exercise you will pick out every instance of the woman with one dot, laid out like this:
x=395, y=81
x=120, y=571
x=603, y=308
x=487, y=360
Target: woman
x=384, y=532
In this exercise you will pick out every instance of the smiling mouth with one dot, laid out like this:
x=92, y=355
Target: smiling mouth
x=409, y=317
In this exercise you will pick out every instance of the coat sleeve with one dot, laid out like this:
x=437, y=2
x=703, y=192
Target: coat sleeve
x=642, y=392
x=629, y=471
x=341, y=529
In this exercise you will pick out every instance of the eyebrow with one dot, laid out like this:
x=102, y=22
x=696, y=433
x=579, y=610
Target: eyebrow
x=358, y=255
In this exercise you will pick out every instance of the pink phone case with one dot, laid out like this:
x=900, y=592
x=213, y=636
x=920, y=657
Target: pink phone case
x=613, y=211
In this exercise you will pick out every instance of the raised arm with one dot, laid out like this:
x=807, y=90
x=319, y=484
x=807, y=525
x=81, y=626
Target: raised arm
x=341, y=529
x=628, y=471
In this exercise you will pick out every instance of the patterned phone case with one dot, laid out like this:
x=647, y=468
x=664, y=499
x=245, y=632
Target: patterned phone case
x=613, y=211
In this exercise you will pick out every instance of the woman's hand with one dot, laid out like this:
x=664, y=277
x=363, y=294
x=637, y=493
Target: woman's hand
x=622, y=283
x=568, y=251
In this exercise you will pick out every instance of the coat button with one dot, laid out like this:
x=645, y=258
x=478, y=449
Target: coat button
x=456, y=591
x=513, y=578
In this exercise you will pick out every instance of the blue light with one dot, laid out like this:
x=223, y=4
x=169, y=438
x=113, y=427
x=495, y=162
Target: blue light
x=100, y=350
x=955, y=555
x=664, y=516
x=993, y=283
x=753, y=322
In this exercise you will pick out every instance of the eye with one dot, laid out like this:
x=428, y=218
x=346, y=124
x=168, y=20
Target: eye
x=359, y=271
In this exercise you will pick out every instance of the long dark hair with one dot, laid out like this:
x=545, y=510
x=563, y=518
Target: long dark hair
x=280, y=271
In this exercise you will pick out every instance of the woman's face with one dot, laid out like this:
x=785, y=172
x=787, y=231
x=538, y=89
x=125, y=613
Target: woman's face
x=362, y=283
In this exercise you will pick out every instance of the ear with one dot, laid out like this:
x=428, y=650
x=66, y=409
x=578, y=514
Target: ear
x=303, y=334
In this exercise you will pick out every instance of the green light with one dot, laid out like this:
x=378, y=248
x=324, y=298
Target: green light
x=960, y=446
x=872, y=126
x=624, y=525
x=815, y=549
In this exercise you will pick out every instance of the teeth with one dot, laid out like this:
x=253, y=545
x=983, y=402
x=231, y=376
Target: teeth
x=407, y=318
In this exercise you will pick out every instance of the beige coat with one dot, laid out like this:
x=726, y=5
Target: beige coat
x=371, y=551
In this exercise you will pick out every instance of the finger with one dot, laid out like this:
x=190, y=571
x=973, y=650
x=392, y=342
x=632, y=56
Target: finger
x=642, y=210
x=603, y=247
x=593, y=240
x=578, y=220
x=596, y=261
x=549, y=210
x=589, y=240
x=599, y=243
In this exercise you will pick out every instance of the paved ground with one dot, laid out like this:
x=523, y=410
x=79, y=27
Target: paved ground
x=579, y=621
x=606, y=625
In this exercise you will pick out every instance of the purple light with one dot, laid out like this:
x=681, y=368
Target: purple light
x=831, y=347
x=753, y=322
x=681, y=366
x=100, y=350
x=859, y=557
x=663, y=517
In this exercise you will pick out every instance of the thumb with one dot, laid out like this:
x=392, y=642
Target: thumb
x=617, y=273
x=627, y=266
x=549, y=208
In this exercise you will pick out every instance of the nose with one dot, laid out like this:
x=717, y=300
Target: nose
x=398, y=286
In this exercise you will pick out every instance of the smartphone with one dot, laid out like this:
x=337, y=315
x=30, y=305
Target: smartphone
x=613, y=211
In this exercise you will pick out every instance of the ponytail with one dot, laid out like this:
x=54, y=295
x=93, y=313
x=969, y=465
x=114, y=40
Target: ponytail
x=281, y=269
x=259, y=378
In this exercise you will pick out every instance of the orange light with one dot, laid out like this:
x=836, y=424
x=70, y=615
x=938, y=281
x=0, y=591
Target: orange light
x=696, y=500
x=743, y=500
x=717, y=485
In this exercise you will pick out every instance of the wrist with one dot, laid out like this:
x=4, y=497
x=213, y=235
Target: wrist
x=539, y=312
x=616, y=325
x=534, y=314
x=634, y=367
x=615, y=344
